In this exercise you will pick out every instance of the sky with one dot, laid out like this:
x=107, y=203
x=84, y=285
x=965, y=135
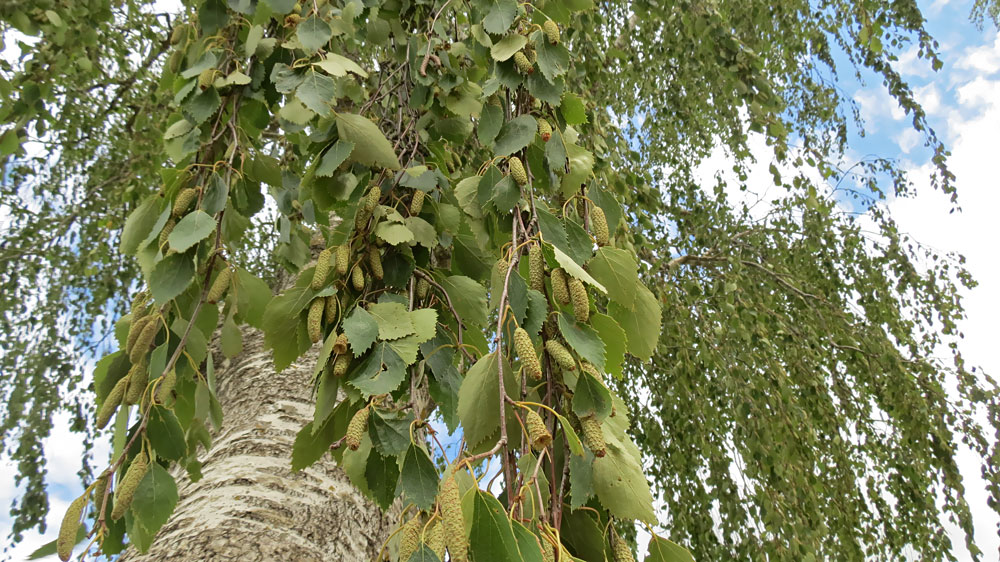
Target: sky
x=962, y=101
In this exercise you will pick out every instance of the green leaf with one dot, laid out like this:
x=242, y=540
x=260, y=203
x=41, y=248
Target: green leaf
x=614, y=339
x=490, y=123
x=317, y=91
x=663, y=550
x=202, y=106
x=469, y=298
x=393, y=233
x=155, y=498
x=641, y=323
x=361, y=330
x=334, y=157
x=423, y=232
x=49, y=548
x=583, y=339
x=338, y=65
x=515, y=135
x=491, y=537
x=581, y=479
x=621, y=486
x=171, y=276
x=382, y=475
x=381, y=372
x=419, y=478
x=500, y=15
x=252, y=297
x=575, y=270
x=616, y=270
x=139, y=224
x=506, y=47
x=370, y=145
x=591, y=397
x=393, y=320
x=191, y=229
x=572, y=109
x=527, y=543
x=479, y=399
x=423, y=554
x=390, y=431
x=553, y=60
x=165, y=434
x=310, y=446
x=313, y=33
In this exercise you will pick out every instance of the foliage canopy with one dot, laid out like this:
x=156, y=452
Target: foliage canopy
x=493, y=205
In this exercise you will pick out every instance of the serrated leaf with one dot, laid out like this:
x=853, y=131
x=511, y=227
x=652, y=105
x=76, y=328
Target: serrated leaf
x=165, y=434
x=170, y=277
x=191, y=229
x=500, y=15
x=616, y=269
x=393, y=233
x=621, y=486
x=370, y=145
x=139, y=224
x=490, y=122
x=317, y=92
x=553, y=60
x=641, y=323
x=591, y=398
x=615, y=342
x=572, y=109
x=469, y=298
x=155, y=498
x=361, y=330
x=202, y=106
x=575, y=270
x=527, y=543
x=423, y=232
x=506, y=47
x=334, y=157
x=382, y=474
x=583, y=339
x=581, y=479
x=380, y=373
x=313, y=33
x=390, y=432
x=393, y=320
x=479, y=399
x=419, y=479
x=491, y=536
x=663, y=550
x=515, y=135
x=423, y=554
x=338, y=65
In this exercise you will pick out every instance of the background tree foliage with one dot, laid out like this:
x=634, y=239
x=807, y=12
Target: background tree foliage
x=794, y=387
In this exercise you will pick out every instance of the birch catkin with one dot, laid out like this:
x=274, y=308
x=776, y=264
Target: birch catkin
x=69, y=528
x=126, y=488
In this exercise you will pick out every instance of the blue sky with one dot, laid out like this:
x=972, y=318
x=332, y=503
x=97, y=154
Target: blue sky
x=963, y=104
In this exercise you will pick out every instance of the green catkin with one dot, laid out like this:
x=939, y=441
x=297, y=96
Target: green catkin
x=588, y=368
x=371, y=200
x=409, y=539
x=522, y=63
x=551, y=31
x=166, y=386
x=531, y=55
x=100, y=488
x=599, y=226
x=516, y=170
x=330, y=310
x=138, y=378
x=343, y=258
x=548, y=554
x=314, y=321
x=375, y=264
x=435, y=539
x=560, y=290
x=111, y=402
x=593, y=437
x=128, y=484
x=139, y=302
x=451, y=518
x=340, y=344
x=322, y=270
x=184, y=200
x=178, y=34
x=356, y=429
x=581, y=304
x=220, y=285
x=144, y=340
x=206, y=78
x=621, y=550
x=560, y=355
x=423, y=287
x=341, y=364
x=358, y=278
x=175, y=60
x=417, y=202
x=536, y=267
x=544, y=129
x=165, y=233
x=135, y=329
x=537, y=432
x=69, y=528
x=526, y=352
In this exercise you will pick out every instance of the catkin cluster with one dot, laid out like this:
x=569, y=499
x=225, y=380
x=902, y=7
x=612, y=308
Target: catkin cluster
x=526, y=352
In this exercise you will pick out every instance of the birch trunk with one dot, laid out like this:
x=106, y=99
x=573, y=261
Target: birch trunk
x=249, y=505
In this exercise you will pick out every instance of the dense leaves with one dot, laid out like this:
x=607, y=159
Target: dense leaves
x=788, y=350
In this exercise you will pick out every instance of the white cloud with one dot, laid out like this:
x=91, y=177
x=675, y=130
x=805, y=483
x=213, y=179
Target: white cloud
x=984, y=59
x=908, y=139
x=876, y=105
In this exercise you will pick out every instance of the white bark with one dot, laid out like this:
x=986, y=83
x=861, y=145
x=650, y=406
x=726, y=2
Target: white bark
x=249, y=505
